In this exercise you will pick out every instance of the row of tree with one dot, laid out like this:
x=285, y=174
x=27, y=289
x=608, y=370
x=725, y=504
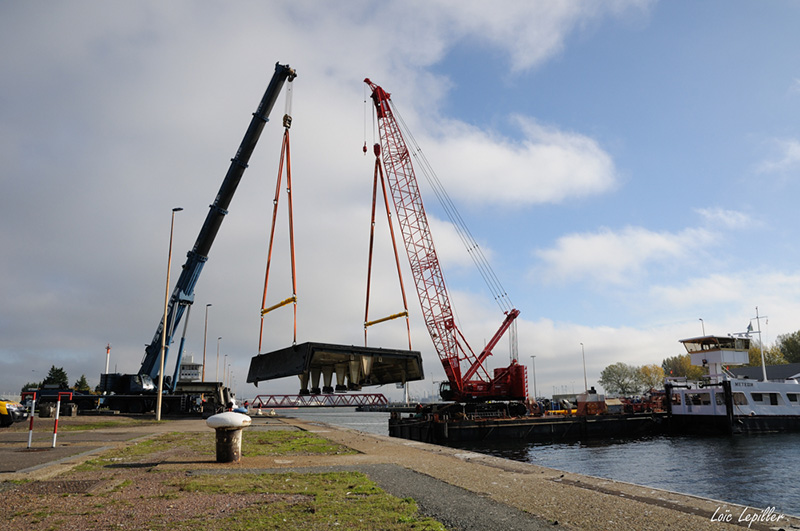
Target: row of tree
x=627, y=380
x=57, y=376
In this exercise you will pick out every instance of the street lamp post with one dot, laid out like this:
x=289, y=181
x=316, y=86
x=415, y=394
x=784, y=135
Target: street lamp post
x=533, y=362
x=703, y=324
x=585, y=382
x=216, y=374
x=205, y=341
x=164, y=324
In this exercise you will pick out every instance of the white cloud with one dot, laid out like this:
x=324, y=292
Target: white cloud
x=530, y=32
x=545, y=166
x=615, y=257
x=729, y=219
x=701, y=292
x=784, y=157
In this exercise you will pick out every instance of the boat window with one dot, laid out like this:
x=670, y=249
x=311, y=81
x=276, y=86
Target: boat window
x=772, y=399
x=699, y=399
x=739, y=399
x=794, y=398
x=720, y=399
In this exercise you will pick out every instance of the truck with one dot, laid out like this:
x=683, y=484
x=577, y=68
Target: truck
x=48, y=394
x=137, y=393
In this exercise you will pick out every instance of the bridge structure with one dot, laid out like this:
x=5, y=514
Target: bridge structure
x=321, y=400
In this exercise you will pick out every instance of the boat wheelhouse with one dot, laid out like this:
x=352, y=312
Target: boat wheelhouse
x=724, y=402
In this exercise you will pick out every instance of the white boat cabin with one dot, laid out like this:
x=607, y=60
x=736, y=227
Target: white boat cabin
x=717, y=352
x=748, y=397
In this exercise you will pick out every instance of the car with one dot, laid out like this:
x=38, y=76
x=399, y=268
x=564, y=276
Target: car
x=11, y=412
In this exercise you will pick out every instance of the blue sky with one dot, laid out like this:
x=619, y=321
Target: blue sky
x=629, y=167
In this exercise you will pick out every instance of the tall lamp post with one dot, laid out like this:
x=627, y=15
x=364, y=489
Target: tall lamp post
x=216, y=374
x=703, y=324
x=164, y=324
x=585, y=382
x=533, y=362
x=205, y=341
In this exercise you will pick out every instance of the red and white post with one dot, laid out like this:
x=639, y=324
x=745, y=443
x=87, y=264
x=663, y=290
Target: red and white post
x=32, y=394
x=58, y=411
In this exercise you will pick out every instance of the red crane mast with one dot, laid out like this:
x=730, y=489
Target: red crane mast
x=475, y=383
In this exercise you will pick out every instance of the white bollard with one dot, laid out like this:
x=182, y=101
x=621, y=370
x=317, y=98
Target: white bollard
x=229, y=427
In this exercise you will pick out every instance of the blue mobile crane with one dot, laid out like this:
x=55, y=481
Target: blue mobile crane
x=136, y=393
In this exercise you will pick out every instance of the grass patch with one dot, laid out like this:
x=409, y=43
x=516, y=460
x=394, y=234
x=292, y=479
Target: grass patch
x=289, y=442
x=344, y=500
x=134, y=452
x=122, y=422
x=254, y=443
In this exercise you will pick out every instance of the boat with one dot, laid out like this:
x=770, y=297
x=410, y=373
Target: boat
x=726, y=402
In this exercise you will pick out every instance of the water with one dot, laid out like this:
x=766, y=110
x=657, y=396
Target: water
x=758, y=471
x=370, y=422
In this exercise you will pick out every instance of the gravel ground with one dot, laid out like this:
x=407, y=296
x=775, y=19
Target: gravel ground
x=456, y=508
x=463, y=490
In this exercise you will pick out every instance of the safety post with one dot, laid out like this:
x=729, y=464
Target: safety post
x=31, y=394
x=58, y=410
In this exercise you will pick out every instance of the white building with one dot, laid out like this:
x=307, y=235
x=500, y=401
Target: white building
x=190, y=371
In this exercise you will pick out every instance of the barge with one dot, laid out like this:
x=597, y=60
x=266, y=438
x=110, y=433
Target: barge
x=449, y=423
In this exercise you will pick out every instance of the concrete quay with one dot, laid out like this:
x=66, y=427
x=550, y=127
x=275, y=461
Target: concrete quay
x=463, y=490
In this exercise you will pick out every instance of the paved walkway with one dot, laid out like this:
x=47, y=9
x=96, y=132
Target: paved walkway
x=464, y=490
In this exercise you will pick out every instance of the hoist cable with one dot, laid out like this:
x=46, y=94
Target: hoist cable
x=473, y=249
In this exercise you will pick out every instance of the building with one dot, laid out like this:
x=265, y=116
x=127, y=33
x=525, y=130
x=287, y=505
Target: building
x=774, y=372
x=190, y=371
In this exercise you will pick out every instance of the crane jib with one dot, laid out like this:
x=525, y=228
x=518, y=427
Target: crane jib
x=507, y=384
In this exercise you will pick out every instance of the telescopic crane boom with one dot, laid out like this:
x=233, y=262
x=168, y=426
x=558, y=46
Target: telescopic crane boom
x=183, y=294
x=473, y=383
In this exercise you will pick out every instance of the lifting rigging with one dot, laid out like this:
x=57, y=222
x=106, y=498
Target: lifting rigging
x=317, y=364
x=468, y=378
x=285, y=157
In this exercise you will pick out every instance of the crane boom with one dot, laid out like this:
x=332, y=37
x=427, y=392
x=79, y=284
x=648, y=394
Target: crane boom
x=451, y=346
x=183, y=294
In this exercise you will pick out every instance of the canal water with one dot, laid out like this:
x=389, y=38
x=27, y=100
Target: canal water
x=758, y=471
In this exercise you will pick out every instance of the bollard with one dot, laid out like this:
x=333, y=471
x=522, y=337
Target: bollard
x=229, y=427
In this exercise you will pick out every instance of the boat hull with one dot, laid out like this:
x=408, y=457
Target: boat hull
x=717, y=424
x=530, y=429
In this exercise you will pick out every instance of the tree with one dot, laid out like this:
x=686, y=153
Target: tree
x=789, y=345
x=681, y=366
x=621, y=379
x=651, y=376
x=772, y=355
x=57, y=376
x=30, y=386
x=82, y=384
